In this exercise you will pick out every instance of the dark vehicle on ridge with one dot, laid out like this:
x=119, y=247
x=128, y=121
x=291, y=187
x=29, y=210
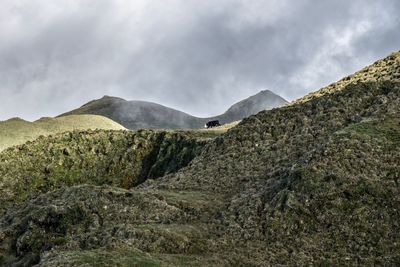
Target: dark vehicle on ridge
x=212, y=124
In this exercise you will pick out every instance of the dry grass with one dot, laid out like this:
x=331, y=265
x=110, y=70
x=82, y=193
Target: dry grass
x=211, y=132
x=17, y=131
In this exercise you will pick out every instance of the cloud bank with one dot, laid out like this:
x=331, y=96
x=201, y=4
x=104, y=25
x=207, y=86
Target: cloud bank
x=197, y=56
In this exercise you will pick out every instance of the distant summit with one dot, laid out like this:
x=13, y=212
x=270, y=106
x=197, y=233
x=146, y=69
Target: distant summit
x=264, y=100
x=148, y=115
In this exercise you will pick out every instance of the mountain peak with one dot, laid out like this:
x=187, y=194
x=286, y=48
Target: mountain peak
x=15, y=119
x=108, y=97
x=264, y=100
x=266, y=91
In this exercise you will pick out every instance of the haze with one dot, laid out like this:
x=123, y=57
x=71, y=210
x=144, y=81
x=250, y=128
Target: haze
x=196, y=56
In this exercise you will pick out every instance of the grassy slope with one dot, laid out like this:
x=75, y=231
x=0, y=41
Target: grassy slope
x=119, y=158
x=386, y=69
x=17, y=131
x=113, y=157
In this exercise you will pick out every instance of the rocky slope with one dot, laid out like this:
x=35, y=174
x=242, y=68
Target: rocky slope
x=118, y=158
x=17, y=131
x=147, y=115
x=313, y=183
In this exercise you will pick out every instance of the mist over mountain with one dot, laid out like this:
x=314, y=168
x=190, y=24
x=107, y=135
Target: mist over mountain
x=264, y=100
x=148, y=115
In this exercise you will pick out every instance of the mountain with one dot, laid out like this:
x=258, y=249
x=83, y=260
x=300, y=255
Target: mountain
x=315, y=182
x=147, y=115
x=137, y=114
x=17, y=131
x=264, y=100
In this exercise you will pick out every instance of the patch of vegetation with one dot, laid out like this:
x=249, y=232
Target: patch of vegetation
x=125, y=257
x=87, y=218
x=120, y=258
x=386, y=128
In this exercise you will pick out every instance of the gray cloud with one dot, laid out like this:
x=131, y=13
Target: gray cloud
x=197, y=56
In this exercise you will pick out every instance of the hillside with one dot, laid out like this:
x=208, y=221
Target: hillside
x=386, y=69
x=147, y=115
x=17, y=131
x=119, y=158
x=312, y=183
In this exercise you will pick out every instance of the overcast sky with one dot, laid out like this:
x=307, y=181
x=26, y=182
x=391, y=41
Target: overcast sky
x=199, y=56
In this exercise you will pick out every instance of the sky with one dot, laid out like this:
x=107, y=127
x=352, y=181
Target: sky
x=198, y=56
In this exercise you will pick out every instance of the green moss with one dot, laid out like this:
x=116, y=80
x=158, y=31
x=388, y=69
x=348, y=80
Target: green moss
x=385, y=128
x=119, y=258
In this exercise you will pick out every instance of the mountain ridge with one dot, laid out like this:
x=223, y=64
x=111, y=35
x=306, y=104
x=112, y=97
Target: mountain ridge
x=136, y=114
